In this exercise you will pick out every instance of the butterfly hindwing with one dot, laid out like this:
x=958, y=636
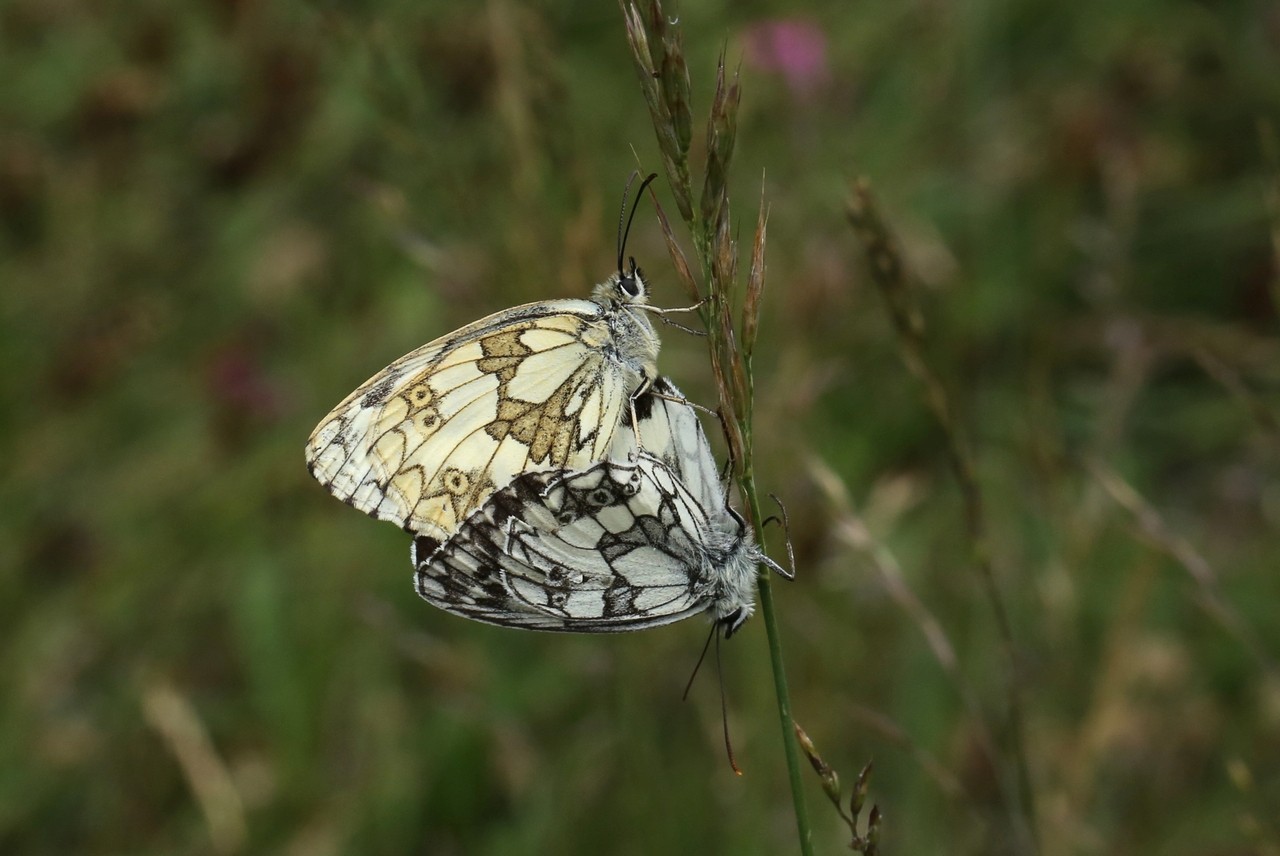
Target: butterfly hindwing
x=636, y=541
x=602, y=549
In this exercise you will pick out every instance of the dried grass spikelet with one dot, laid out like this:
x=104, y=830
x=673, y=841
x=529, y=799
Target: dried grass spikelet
x=658, y=54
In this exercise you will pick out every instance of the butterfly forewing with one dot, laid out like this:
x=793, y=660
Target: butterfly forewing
x=540, y=387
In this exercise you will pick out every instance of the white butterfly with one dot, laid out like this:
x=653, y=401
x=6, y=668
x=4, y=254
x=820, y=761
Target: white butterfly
x=642, y=539
x=427, y=440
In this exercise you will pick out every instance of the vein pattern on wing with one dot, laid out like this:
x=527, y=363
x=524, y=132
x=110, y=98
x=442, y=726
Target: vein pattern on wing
x=427, y=440
x=642, y=539
x=606, y=549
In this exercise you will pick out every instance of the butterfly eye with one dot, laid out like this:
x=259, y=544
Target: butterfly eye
x=631, y=285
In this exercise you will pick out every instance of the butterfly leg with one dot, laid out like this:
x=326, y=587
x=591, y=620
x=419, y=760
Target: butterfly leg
x=730, y=463
x=658, y=310
x=631, y=402
x=512, y=530
x=786, y=529
x=663, y=313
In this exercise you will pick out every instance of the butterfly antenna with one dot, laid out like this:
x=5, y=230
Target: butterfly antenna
x=724, y=710
x=622, y=215
x=698, y=666
x=681, y=327
x=786, y=531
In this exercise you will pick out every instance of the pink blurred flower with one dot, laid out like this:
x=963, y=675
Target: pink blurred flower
x=242, y=392
x=793, y=48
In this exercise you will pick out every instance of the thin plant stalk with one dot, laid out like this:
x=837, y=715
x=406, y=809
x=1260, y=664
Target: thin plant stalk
x=657, y=49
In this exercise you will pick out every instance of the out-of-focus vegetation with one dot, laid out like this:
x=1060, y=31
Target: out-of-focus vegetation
x=217, y=218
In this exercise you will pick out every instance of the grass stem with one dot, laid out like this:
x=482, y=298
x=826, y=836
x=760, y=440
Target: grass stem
x=657, y=50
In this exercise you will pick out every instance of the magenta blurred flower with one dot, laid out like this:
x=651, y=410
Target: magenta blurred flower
x=794, y=48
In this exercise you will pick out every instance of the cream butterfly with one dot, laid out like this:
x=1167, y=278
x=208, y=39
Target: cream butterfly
x=642, y=539
x=540, y=387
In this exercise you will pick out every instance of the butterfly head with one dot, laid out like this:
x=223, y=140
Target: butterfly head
x=627, y=286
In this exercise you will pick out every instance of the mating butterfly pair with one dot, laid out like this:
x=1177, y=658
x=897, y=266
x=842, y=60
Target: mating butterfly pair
x=551, y=478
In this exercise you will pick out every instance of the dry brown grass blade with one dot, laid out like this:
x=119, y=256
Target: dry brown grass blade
x=884, y=259
x=755, y=281
x=867, y=843
x=179, y=726
x=715, y=252
x=850, y=529
x=722, y=131
x=641, y=53
x=724, y=256
x=650, y=55
x=724, y=390
x=1153, y=527
x=683, y=272
x=673, y=74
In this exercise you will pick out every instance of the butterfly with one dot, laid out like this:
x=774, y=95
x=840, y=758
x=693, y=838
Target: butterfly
x=642, y=539
x=540, y=387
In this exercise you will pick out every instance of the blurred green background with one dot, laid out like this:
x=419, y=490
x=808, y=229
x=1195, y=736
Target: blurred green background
x=217, y=218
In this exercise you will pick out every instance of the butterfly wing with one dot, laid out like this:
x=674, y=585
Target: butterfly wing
x=669, y=429
x=426, y=441
x=637, y=541
x=609, y=548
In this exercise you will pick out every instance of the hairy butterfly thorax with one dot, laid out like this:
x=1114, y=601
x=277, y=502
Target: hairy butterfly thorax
x=625, y=299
